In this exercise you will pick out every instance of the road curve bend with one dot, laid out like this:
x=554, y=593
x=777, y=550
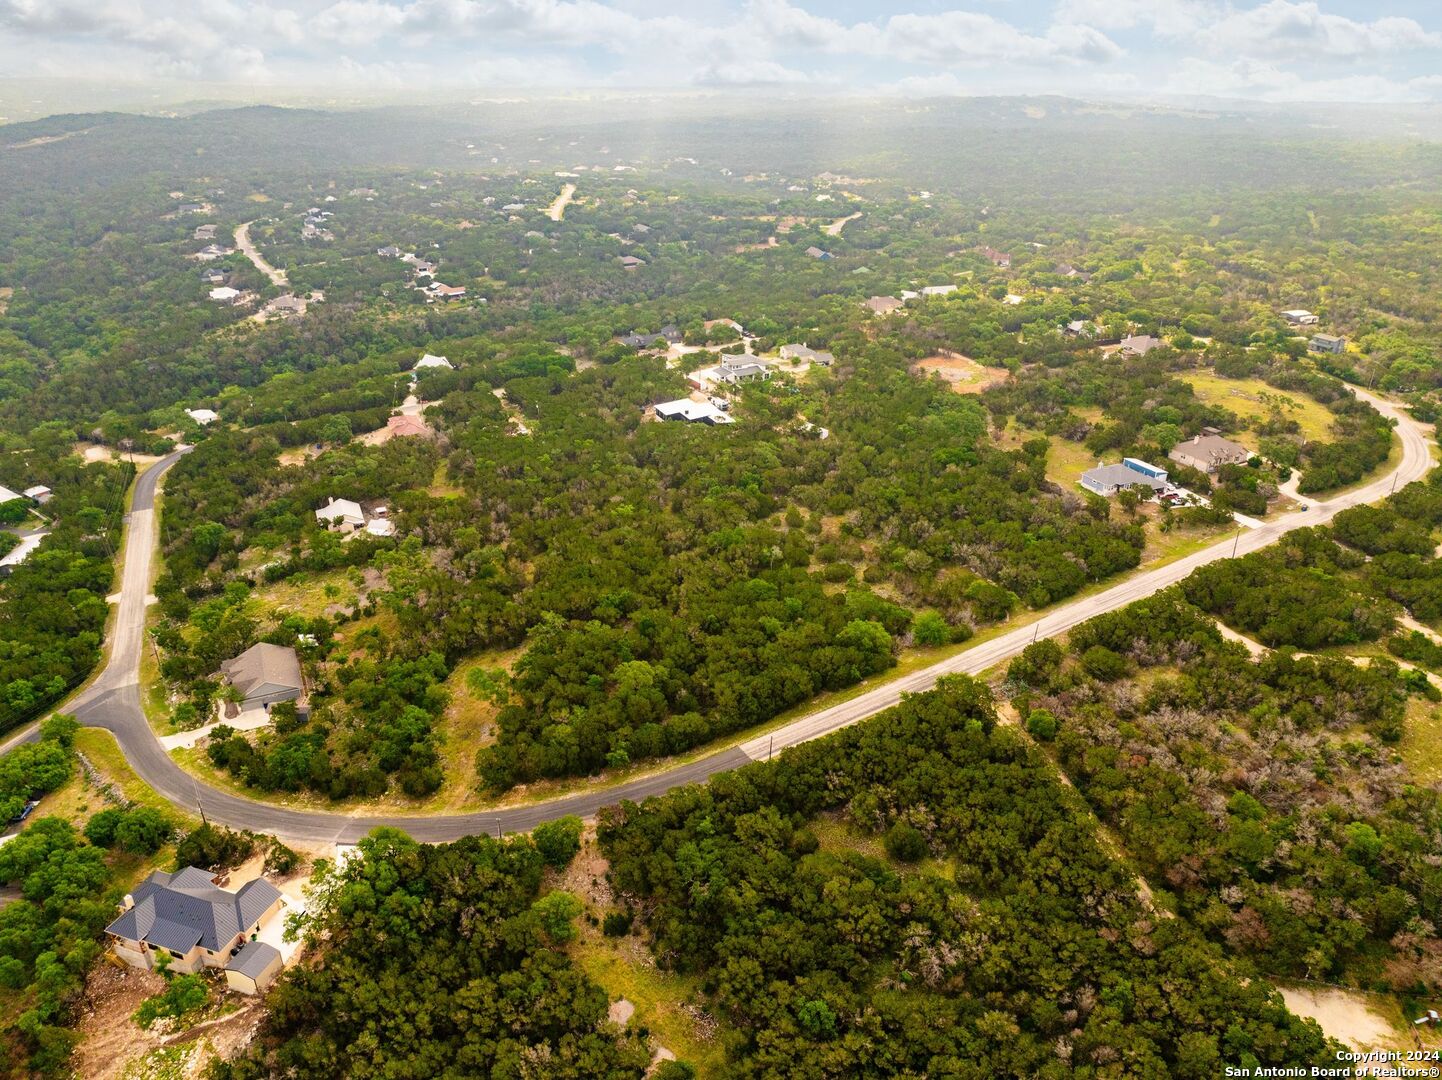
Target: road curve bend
x=113, y=701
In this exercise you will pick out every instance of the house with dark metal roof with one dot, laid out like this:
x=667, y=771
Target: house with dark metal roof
x=265, y=674
x=188, y=918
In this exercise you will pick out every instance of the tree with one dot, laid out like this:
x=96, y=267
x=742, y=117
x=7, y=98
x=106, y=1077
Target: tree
x=558, y=841
x=905, y=843
x=557, y=912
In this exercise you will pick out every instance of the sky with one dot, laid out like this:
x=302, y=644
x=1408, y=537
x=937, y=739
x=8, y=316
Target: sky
x=1267, y=50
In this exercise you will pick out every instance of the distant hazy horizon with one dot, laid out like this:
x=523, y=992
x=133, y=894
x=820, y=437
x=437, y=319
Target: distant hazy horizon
x=148, y=54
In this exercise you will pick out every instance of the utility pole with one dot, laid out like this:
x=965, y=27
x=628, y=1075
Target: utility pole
x=1236, y=541
x=770, y=743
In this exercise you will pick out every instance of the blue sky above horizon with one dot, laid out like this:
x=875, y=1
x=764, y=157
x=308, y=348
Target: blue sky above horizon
x=1268, y=50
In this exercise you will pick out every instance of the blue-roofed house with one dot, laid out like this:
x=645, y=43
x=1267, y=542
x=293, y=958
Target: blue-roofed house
x=190, y=918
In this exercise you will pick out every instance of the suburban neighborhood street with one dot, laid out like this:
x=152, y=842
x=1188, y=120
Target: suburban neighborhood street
x=113, y=701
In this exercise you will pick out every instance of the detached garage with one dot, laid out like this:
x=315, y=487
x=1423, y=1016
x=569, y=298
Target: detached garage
x=254, y=968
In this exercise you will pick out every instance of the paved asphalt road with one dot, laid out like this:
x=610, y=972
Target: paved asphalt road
x=113, y=702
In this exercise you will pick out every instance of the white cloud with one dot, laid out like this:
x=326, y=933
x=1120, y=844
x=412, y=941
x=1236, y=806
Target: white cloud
x=945, y=39
x=1287, y=25
x=1262, y=81
x=1170, y=17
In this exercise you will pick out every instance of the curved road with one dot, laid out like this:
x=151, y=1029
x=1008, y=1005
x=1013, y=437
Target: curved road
x=113, y=701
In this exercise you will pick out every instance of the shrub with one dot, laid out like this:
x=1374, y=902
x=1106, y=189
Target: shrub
x=558, y=841
x=142, y=831
x=905, y=843
x=617, y=923
x=557, y=912
x=185, y=994
x=930, y=628
x=1042, y=724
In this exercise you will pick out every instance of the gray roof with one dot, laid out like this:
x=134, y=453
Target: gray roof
x=253, y=958
x=263, y=665
x=1141, y=344
x=1211, y=448
x=1121, y=476
x=177, y=911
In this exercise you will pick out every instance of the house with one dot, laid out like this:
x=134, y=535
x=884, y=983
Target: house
x=884, y=305
x=253, y=968
x=265, y=674
x=390, y=251
x=431, y=361
x=381, y=527
x=197, y=924
x=796, y=353
x=6, y=495
x=694, y=411
x=40, y=493
x=402, y=426
x=814, y=252
x=213, y=251
x=670, y=334
x=341, y=515
x=421, y=268
x=287, y=305
x=203, y=232
x=1107, y=480
x=630, y=262
x=734, y=369
x=1000, y=259
x=447, y=292
x=20, y=552
x=224, y=294
x=1327, y=343
x=212, y=275
x=1298, y=317
x=938, y=290
x=907, y=294
x=1140, y=345
x=1067, y=270
x=1012, y=299
x=203, y=416
x=1076, y=328
x=1209, y=453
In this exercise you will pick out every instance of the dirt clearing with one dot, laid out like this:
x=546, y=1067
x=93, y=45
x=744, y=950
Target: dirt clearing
x=964, y=374
x=1342, y=1015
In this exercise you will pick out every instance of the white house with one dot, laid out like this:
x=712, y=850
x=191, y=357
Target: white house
x=203, y=416
x=1298, y=317
x=694, y=411
x=431, y=361
x=224, y=294
x=341, y=515
x=938, y=290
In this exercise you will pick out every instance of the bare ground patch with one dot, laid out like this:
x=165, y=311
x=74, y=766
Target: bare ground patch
x=964, y=374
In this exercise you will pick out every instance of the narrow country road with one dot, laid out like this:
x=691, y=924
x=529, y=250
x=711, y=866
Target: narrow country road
x=113, y=702
x=251, y=252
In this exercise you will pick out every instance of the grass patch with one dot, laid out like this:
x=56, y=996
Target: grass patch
x=103, y=752
x=1254, y=399
x=623, y=968
x=1421, y=736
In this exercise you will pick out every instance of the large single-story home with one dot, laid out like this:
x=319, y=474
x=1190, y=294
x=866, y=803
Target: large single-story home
x=884, y=305
x=737, y=370
x=1327, y=343
x=802, y=352
x=695, y=411
x=669, y=334
x=341, y=515
x=1107, y=480
x=1299, y=317
x=265, y=674
x=203, y=416
x=405, y=425
x=197, y=924
x=938, y=290
x=20, y=552
x=1140, y=345
x=431, y=361
x=1209, y=453
x=224, y=294
x=40, y=493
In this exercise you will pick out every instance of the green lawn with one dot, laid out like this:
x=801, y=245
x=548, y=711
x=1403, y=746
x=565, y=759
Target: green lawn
x=1252, y=398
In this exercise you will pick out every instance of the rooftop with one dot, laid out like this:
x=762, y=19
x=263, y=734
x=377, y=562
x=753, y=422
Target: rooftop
x=178, y=911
